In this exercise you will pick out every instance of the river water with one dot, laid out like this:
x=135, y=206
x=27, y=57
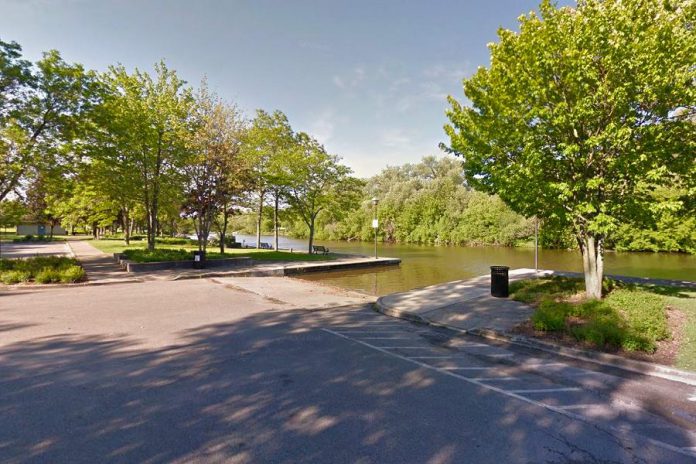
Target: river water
x=423, y=265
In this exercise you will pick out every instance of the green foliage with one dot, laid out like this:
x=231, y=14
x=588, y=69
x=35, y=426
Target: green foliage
x=427, y=203
x=14, y=277
x=150, y=256
x=47, y=276
x=72, y=274
x=581, y=114
x=632, y=318
x=41, y=269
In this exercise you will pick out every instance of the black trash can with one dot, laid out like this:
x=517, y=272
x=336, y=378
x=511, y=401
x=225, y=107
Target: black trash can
x=198, y=259
x=500, y=281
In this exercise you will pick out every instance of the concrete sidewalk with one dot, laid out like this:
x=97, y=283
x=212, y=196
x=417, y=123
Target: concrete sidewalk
x=467, y=306
x=462, y=304
x=99, y=266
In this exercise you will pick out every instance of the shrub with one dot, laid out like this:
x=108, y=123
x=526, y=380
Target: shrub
x=14, y=277
x=629, y=317
x=551, y=316
x=47, y=276
x=150, y=256
x=72, y=274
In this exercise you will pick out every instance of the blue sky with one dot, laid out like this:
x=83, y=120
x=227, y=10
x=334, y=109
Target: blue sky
x=369, y=79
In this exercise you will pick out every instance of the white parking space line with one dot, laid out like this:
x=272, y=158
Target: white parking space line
x=547, y=390
x=691, y=452
x=432, y=357
x=466, y=368
x=583, y=406
x=370, y=331
x=490, y=379
x=541, y=366
x=406, y=347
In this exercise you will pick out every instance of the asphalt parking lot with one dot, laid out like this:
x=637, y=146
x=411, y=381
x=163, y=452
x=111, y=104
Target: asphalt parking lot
x=207, y=371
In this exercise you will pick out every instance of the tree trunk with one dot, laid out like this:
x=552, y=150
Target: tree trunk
x=592, y=264
x=223, y=230
x=126, y=232
x=258, y=220
x=311, y=237
x=275, y=221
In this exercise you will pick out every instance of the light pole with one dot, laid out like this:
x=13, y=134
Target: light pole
x=375, y=222
x=536, y=244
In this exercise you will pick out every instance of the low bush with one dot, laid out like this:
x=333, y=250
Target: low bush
x=151, y=256
x=14, y=277
x=47, y=276
x=41, y=269
x=72, y=274
x=34, y=238
x=629, y=317
x=176, y=241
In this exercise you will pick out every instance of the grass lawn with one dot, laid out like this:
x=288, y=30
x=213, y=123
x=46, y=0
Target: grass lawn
x=41, y=269
x=630, y=318
x=175, y=252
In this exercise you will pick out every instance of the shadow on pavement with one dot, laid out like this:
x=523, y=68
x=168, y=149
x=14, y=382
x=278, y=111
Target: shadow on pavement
x=268, y=388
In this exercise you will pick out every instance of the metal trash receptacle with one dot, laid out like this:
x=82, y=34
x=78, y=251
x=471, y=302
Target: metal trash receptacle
x=500, y=281
x=198, y=259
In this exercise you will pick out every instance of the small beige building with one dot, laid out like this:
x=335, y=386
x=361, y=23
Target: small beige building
x=39, y=229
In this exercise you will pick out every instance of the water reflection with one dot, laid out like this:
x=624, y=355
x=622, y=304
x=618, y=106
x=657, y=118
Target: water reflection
x=426, y=265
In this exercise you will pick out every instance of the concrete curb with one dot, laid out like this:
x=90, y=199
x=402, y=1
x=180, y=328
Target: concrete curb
x=604, y=359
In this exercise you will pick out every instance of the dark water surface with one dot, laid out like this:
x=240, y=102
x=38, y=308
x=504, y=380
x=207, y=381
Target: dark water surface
x=424, y=265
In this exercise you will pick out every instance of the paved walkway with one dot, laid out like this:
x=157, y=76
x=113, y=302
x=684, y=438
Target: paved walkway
x=468, y=304
x=30, y=249
x=462, y=304
x=100, y=267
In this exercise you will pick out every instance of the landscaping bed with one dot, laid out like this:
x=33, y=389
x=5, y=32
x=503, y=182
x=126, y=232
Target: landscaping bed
x=41, y=270
x=651, y=323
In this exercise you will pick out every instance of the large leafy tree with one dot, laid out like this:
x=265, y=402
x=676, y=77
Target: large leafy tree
x=267, y=142
x=582, y=113
x=318, y=182
x=40, y=111
x=140, y=138
x=210, y=173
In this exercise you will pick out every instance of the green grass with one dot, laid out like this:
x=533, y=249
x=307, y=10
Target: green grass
x=686, y=303
x=629, y=317
x=41, y=269
x=171, y=252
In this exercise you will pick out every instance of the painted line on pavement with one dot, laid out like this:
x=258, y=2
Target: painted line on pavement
x=406, y=347
x=680, y=450
x=547, y=390
x=432, y=357
x=491, y=379
x=584, y=406
x=466, y=368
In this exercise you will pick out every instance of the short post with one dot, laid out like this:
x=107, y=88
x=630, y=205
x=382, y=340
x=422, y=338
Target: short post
x=375, y=221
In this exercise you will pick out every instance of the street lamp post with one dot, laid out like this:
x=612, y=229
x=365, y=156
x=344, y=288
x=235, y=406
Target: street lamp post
x=375, y=222
x=536, y=244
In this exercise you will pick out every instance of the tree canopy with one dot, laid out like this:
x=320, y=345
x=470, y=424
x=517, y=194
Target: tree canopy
x=581, y=114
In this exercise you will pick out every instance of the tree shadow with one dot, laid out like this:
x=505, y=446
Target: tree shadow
x=272, y=387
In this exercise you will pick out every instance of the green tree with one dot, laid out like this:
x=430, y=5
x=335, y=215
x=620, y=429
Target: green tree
x=140, y=138
x=317, y=183
x=209, y=173
x=40, y=109
x=267, y=142
x=576, y=119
